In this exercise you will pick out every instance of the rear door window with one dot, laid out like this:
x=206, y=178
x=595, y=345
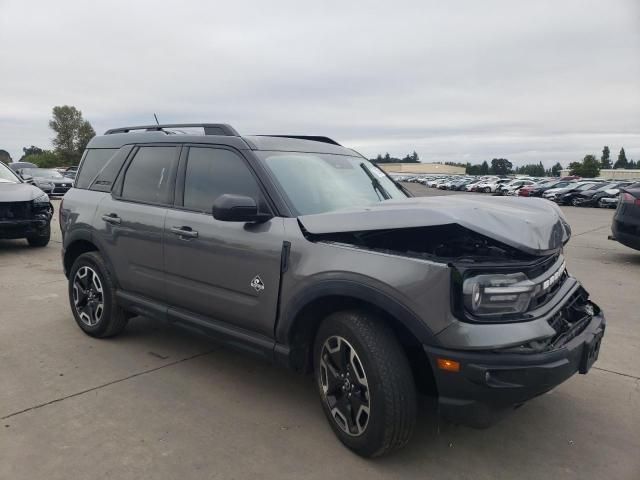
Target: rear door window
x=150, y=175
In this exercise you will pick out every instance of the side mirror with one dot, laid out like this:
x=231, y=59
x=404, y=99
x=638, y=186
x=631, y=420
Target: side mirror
x=26, y=178
x=238, y=208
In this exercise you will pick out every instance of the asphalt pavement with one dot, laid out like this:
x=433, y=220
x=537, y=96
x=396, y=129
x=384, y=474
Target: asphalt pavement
x=160, y=403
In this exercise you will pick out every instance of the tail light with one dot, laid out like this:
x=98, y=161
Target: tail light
x=628, y=198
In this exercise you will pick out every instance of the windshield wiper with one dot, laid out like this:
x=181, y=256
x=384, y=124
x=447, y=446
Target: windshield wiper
x=376, y=184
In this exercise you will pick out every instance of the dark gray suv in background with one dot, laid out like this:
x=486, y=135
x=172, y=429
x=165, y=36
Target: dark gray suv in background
x=301, y=251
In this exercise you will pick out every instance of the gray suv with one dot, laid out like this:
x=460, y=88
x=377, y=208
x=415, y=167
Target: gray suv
x=302, y=252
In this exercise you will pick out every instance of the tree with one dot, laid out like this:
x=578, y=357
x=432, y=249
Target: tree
x=501, y=166
x=85, y=133
x=588, y=168
x=631, y=165
x=32, y=150
x=484, y=168
x=555, y=170
x=72, y=133
x=605, y=162
x=5, y=157
x=622, y=160
x=46, y=159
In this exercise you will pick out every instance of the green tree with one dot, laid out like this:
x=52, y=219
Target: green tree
x=72, y=133
x=588, y=168
x=622, y=160
x=46, y=159
x=5, y=157
x=32, y=150
x=484, y=168
x=631, y=165
x=555, y=170
x=501, y=166
x=605, y=161
x=85, y=133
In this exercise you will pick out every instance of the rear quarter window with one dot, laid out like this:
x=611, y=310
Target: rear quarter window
x=94, y=161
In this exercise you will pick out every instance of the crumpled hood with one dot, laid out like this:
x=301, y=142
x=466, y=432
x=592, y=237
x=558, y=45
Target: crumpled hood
x=532, y=225
x=18, y=192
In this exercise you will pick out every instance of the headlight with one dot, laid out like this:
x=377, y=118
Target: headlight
x=44, y=198
x=492, y=295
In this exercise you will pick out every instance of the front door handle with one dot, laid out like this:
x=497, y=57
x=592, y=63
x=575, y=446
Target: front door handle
x=184, y=232
x=112, y=218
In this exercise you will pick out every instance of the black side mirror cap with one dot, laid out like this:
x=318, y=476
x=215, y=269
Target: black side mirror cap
x=238, y=208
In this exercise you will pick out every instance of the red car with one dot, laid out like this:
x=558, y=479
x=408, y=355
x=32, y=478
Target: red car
x=524, y=191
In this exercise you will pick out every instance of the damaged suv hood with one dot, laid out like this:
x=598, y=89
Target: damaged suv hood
x=532, y=225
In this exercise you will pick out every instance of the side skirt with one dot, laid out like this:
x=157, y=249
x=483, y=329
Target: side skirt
x=221, y=332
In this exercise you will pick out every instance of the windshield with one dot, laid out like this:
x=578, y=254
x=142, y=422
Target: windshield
x=317, y=182
x=42, y=172
x=6, y=175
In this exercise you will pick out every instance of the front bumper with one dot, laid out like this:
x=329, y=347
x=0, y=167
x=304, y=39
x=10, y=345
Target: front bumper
x=13, y=229
x=30, y=221
x=489, y=383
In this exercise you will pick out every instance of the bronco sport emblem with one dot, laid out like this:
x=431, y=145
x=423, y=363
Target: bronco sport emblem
x=257, y=284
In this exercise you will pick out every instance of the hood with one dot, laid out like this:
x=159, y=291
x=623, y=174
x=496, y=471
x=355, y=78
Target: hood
x=18, y=192
x=533, y=226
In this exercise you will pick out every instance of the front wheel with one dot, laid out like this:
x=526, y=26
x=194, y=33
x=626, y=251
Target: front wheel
x=41, y=239
x=365, y=383
x=92, y=297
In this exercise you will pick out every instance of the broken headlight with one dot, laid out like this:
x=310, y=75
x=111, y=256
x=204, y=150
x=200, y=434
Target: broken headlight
x=495, y=295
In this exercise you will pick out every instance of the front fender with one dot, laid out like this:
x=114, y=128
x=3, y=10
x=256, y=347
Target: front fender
x=324, y=286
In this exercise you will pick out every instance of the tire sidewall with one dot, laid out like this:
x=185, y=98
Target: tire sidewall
x=93, y=261
x=374, y=432
x=42, y=238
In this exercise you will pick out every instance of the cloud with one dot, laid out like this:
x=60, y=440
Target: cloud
x=462, y=80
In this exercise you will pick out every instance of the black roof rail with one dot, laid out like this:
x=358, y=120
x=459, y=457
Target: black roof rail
x=209, y=128
x=313, y=138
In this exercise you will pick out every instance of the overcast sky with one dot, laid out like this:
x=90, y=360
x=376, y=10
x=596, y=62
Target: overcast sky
x=455, y=81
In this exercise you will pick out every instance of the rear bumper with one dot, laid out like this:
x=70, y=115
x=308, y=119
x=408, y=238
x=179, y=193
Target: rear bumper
x=491, y=383
x=627, y=234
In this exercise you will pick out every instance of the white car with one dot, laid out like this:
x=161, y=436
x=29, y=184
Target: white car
x=512, y=188
x=492, y=185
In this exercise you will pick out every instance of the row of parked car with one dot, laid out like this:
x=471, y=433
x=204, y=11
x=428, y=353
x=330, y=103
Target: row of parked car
x=52, y=181
x=564, y=191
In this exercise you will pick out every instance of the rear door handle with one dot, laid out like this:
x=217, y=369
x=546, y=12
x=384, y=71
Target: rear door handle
x=184, y=232
x=112, y=218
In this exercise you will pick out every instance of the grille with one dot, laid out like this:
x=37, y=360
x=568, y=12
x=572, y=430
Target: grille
x=14, y=211
x=570, y=321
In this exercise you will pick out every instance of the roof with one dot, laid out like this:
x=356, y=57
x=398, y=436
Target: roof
x=217, y=134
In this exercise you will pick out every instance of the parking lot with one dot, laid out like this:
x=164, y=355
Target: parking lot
x=161, y=403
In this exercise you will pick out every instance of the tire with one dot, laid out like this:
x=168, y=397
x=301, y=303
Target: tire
x=600, y=204
x=377, y=379
x=487, y=190
x=41, y=240
x=92, y=301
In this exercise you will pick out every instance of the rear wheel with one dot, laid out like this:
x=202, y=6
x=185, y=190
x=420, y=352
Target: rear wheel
x=92, y=297
x=365, y=383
